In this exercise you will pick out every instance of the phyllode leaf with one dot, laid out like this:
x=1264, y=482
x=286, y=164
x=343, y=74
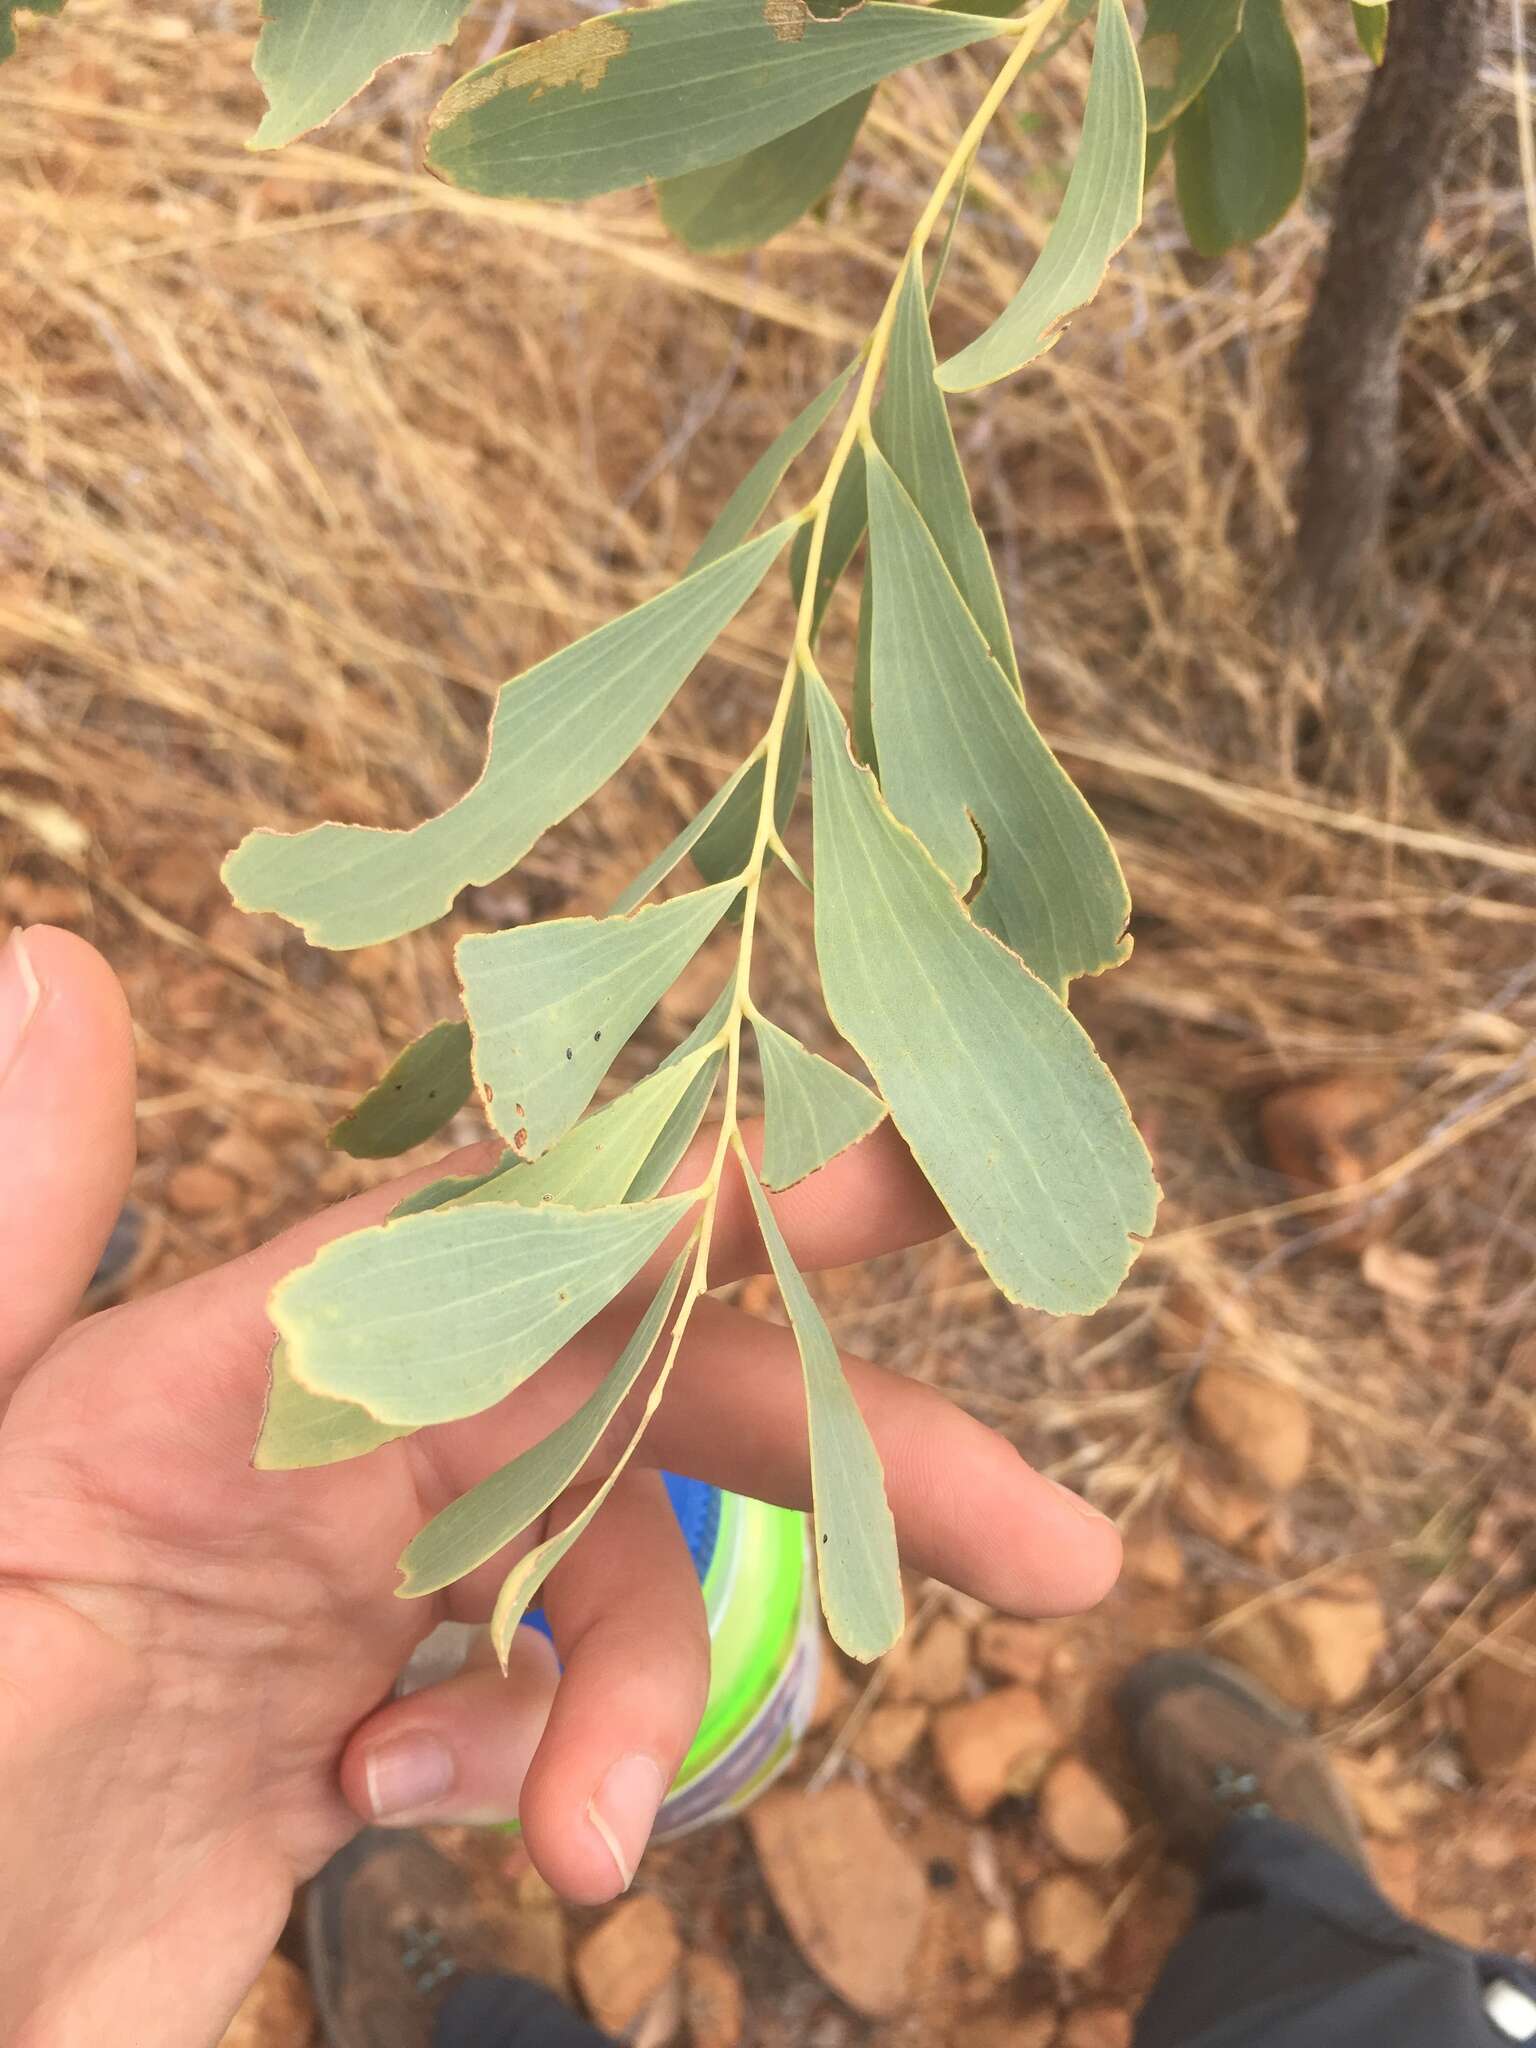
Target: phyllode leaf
x=558, y=733
x=960, y=757
x=498, y=1510
x=811, y=1109
x=1181, y=45
x=914, y=434
x=313, y=56
x=856, y=1556
x=993, y=1083
x=1240, y=149
x=301, y=1429
x=750, y=499
x=1370, y=18
x=439, y=1315
x=421, y=1089
x=552, y=1004
x=1100, y=210
x=743, y=203
x=749, y=776
x=658, y=92
x=8, y=13
x=605, y=1158
x=725, y=848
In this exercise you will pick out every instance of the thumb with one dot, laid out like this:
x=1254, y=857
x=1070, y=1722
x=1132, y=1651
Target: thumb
x=66, y=1132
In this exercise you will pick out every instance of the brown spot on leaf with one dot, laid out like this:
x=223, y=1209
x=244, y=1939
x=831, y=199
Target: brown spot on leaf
x=1160, y=62
x=787, y=19
x=520, y=1139
x=573, y=56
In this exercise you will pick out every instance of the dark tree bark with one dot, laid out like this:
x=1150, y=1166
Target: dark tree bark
x=1349, y=354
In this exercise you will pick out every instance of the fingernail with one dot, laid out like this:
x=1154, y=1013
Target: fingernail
x=407, y=1774
x=21, y=996
x=623, y=1810
x=1085, y=1508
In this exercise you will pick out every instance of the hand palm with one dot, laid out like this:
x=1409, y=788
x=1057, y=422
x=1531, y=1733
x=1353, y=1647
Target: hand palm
x=199, y=1651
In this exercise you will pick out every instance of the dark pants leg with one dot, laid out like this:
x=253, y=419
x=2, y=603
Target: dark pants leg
x=510, y=2012
x=1295, y=1948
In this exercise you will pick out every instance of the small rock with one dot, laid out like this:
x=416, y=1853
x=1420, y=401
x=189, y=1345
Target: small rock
x=1081, y=1818
x=940, y=1665
x=662, y=2021
x=203, y=1191
x=851, y=1895
x=1498, y=1699
x=834, y=1690
x=1491, y=1847
x=622, y=1967
x=890, y=1734
x=1262, y=1429
x=1386, y=1804
x=180, y=882
x=1461, y=1923
x=991, y=1747
x=1097, y=2026
x=1316, y=1650
x=535, y=1934
x=1395, y=1867
x=713, y=2002
x=1034, y=2029
x=1015, y=1650
x=1002, y=1950
x=1064, y=1920
x=244, y=1155
x=1323, y=1134
x=1153, y=1558
x=1215, y=1508
x=277, y=2011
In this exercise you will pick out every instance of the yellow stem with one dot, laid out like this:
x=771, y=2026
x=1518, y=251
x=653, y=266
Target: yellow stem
x=1026, y=34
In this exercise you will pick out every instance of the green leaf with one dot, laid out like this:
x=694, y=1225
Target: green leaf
x=1240, y=150
x=856, y=1554
x=678, y=1133
x=1371, y=27
x=558, y=733
x=990, y=1079
x=750, y=499
x=863, y=676
x=596, y=1162
x=313, y=56
x=498, y=1510
x=743, y=203
x=552, y=1004
x=962, y=763
x=654, y=93
x=724, y=850
x=913, y=431
x=1100, y=210
x=301, y=1429
x=1181, y=45
x=440, y=1315
x=418, y=1093
x=811, y=1109
x=730, y=794
x=453, y=1187
x=624, y=1152
x=8, y=10
x=846, y=520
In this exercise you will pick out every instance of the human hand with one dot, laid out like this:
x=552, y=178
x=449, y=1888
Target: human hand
x=194, y=1700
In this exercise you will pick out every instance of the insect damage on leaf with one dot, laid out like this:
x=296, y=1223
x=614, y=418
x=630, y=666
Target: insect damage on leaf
x=572, y=56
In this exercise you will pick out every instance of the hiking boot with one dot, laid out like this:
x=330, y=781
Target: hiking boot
x=392, y=1933
x=1210, y=1745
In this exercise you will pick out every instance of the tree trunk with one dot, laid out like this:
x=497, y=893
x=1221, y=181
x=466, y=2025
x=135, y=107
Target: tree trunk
x=1349, y=354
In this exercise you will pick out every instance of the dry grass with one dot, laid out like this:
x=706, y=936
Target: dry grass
x=303, y=456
